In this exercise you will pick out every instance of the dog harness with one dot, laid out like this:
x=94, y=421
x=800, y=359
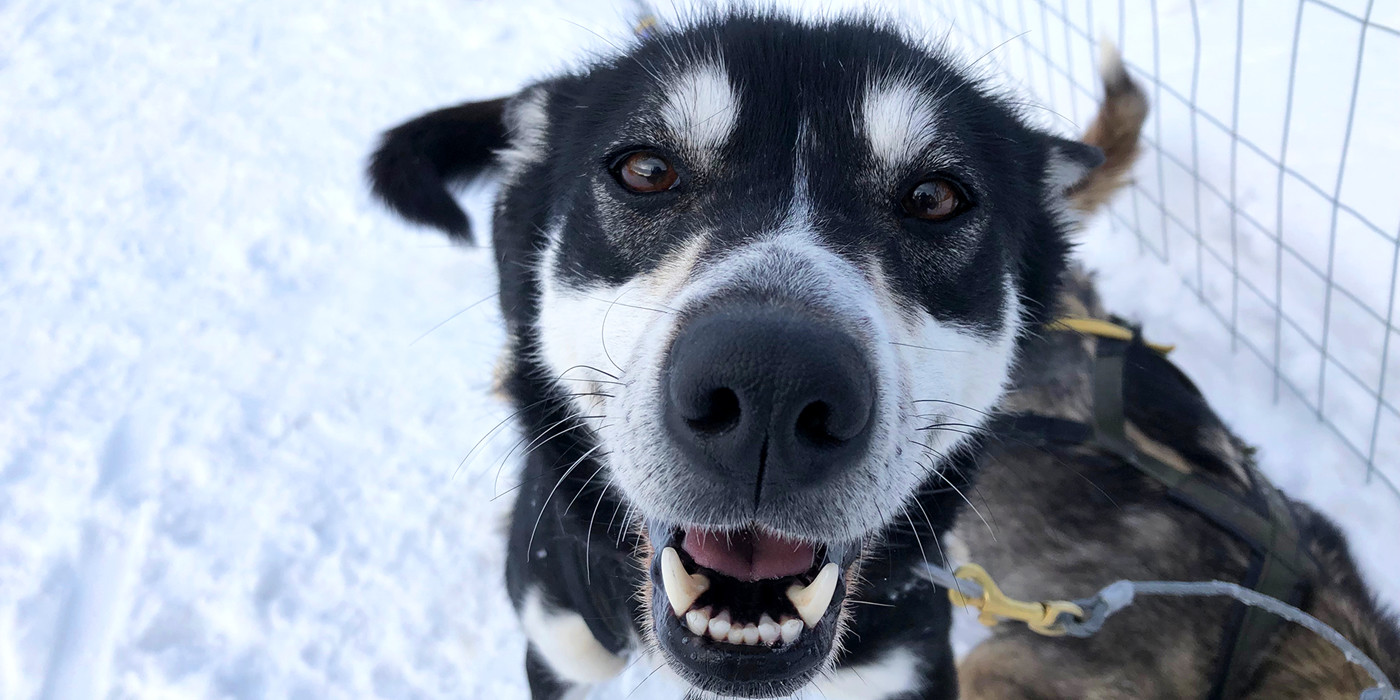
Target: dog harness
x=1261, y=518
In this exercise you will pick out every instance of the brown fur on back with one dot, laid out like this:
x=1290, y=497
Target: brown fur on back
x=1303, y=665
x=1060, y=522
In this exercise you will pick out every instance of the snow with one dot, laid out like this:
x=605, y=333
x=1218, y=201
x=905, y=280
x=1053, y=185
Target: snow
x=237, y=395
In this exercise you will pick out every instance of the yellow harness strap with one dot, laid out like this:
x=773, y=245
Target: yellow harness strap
x=1102, y=329
x=646, y=26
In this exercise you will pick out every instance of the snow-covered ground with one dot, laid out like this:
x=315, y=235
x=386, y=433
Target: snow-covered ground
x=235, y=395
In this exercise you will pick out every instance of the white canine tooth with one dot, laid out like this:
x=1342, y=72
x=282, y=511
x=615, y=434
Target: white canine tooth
x=719, y=626
x=697, y=621
x=681, y=588
x=768, y=630
x=751, y=634
x=736, y=634
x=812, y=600
x=791, y=628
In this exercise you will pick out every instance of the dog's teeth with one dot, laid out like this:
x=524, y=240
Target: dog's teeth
x=697, y=621
x=751, y=634
x=812, y=600
x=736, y=634
x=682, y=588
x=719, y=626
x=791, y=629
x=768, y=630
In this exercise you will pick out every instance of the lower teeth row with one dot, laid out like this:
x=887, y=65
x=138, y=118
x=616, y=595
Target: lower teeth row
x=684, y=588
x=722, y=629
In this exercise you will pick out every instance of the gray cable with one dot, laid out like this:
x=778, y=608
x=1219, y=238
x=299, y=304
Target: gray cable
x=1120, y=594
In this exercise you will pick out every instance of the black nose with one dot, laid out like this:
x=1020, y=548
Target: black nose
x=768, y=398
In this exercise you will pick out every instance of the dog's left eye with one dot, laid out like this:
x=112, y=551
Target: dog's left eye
x=934, y=199
x=645, y=172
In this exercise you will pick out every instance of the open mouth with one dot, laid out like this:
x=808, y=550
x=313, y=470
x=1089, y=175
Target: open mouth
x=748, y=612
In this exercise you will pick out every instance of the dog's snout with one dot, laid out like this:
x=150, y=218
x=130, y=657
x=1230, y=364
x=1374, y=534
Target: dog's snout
x=768, y=397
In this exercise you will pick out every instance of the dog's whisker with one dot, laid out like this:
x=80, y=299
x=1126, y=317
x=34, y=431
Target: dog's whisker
x=603, y=332
x=620, y=51
x=612, y=518
x=554, y=467
x=934, y=532
x=483, y=439
x=996, y=48
x=922, y=347
x=869, y=602
x=538, y=477
x=586, y=394
x=643, y=681
x=529, y=450
x=635, y=660
x=942, y=555
x=1043, y=108
x=590, y=367
x=526, y=482
x=939, y=473
x=971, y=429
x=583, y=488
x=636, y=306
x=582, y=379
x=544, y=437
x=588, y=536
x=469, y=307
x=954, y=431
x=530, y=543
x=918, y=540
x=504, y=421
x=955, y=403
x=626, y=523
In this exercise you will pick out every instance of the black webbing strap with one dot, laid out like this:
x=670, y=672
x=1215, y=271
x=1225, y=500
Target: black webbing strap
x=1277, y=555
x=1279, y=564
x=1274, y=531
x=1282, y=573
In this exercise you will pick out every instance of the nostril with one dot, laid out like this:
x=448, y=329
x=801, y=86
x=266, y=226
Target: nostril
x=717, y=412
x=813, y=426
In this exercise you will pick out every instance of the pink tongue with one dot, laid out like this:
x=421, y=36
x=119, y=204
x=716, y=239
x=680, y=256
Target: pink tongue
x=748, y=555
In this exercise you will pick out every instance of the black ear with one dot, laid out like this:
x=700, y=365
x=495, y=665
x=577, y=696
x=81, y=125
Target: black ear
x=417, y=160
x=1067, y=163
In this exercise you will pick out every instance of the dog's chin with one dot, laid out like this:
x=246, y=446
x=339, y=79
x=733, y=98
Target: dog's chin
x=746, y=613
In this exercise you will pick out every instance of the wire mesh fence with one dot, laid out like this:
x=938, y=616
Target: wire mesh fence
x=1267, y=179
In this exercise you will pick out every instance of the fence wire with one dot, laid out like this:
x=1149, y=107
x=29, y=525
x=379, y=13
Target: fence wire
x=1255, y=182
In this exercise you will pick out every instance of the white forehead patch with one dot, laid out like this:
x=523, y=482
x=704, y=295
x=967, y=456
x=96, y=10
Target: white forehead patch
x=898, y=120
x=701, y=108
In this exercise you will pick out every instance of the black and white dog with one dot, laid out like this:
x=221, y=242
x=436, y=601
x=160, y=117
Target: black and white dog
x=762, y=279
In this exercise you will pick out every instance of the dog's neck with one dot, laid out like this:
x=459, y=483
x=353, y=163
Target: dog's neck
x=1053, y=375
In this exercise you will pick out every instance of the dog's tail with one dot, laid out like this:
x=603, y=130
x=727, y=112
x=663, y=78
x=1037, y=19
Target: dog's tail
x=417, y=161
x=1115, y=131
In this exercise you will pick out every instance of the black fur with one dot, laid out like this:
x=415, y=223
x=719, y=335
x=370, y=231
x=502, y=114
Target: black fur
x=418, y=160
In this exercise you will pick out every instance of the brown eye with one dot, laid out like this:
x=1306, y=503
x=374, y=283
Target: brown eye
x=934, y=200
x=645, y=171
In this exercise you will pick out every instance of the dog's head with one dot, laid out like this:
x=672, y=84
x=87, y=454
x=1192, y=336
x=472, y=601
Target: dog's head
x=779, y=269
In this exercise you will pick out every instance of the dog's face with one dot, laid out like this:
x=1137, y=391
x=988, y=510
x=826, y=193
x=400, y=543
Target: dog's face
x=779, y=270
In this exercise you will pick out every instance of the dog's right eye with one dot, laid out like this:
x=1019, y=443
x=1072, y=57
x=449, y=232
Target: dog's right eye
x=935, y=199
x=644, y=172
